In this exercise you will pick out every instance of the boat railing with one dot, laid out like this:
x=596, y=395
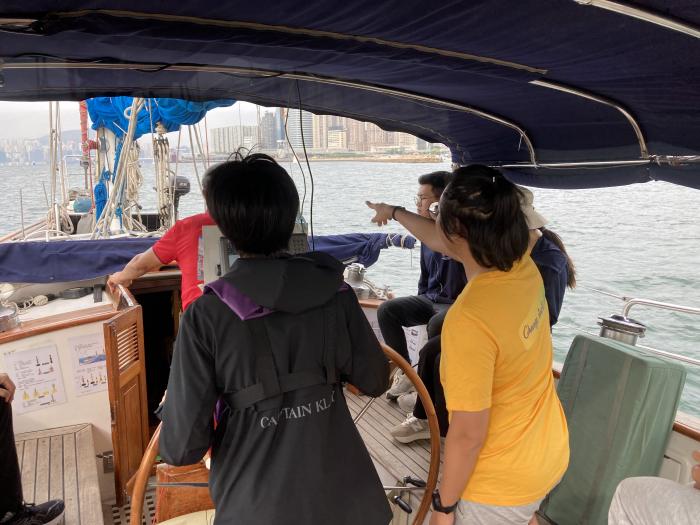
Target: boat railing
x=630, y=302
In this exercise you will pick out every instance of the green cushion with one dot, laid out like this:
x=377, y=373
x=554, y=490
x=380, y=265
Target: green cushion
x=620, y=405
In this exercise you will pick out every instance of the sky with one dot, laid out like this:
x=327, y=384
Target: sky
x=31, y=119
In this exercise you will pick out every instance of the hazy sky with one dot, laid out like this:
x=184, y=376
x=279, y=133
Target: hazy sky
x=31, y=119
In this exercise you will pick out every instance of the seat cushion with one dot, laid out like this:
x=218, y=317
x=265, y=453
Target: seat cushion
x=203, y=517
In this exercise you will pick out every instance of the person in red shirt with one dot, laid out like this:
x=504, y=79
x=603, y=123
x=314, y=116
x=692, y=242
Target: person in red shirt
x=181, y=244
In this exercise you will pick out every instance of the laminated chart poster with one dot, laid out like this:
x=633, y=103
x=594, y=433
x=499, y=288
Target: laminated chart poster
x=89, y=363
x=37, y=375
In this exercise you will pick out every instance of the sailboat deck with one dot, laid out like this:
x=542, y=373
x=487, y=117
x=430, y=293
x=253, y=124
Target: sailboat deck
x=394, y=461
x=60, y=463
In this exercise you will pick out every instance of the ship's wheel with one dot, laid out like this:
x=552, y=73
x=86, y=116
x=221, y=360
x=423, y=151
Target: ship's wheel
x=139, y=483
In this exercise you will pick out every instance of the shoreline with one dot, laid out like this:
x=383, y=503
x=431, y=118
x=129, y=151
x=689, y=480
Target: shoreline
x=397, y=160
x=406, y=160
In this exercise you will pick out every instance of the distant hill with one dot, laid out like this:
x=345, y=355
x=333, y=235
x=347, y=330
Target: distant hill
x=66, y=136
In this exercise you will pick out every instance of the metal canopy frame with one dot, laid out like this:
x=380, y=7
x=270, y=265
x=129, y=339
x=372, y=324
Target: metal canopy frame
x=25, y=25
x=237, y=24
x=643, y=14
x=292, y=76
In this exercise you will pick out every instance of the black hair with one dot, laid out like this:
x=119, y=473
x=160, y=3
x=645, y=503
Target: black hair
x=483, y=207
x=570, y=268
x=254, y=202
x=437, y=179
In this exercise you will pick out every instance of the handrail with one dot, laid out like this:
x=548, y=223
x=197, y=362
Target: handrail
x=630, y=302
x=662, y=353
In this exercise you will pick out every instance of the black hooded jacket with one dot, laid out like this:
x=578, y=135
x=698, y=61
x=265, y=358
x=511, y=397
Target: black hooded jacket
x=295, y=458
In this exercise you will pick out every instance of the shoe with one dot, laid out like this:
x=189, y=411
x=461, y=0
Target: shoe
x=402, y=384
x=407, y=401
x=49, y=513
x=411, y=430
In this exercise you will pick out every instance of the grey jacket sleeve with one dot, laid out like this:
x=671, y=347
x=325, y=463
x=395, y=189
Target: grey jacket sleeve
x=368, y=368
x=187, y=414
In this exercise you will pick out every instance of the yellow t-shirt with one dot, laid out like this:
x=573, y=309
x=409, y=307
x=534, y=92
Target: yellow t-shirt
x=497, y=354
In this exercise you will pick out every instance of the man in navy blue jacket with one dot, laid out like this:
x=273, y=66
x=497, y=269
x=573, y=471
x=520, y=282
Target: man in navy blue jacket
x=441, y=281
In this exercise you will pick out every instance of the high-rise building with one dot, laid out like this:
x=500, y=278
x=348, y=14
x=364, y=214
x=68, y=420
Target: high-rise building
x=337, y=139
x=320, y=131
x=296, y=128
x=405, y=141
x=268, y=132
x=279, y=125
x=228, y=139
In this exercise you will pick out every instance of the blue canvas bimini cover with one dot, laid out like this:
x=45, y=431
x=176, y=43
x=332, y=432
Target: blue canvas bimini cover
x=535, y=84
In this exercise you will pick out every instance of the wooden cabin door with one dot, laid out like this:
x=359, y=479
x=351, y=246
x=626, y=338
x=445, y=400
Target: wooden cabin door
x=126, y=373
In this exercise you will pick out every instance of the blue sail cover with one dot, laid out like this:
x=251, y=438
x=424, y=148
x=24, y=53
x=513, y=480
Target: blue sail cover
x=110, y=113
x=529, y=83
x=64, y=261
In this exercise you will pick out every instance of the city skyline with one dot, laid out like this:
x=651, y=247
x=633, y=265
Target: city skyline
x=274, y=130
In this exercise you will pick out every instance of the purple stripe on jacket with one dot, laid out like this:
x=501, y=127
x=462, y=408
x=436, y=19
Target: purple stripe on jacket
x=242, y=305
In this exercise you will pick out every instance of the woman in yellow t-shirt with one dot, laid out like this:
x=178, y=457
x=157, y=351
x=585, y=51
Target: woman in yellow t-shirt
x=507, y=445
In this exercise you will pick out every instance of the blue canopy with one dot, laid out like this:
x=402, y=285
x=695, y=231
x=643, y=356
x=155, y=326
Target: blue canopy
x=109, y=112
x=562, y=92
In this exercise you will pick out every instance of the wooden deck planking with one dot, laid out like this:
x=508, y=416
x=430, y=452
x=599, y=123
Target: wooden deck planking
x=28, y=468
x=90, y=503
x=394, y=416
x=56, y=468
x=374, y=426
x=70, y=487
x=393, y=460
x=60, y=463
x=41, y=478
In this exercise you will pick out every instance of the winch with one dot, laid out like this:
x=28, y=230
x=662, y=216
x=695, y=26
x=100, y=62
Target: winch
x=621, y=329
x=9, y=316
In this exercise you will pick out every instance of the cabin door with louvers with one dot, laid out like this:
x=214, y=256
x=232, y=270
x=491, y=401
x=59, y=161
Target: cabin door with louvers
x=126, y=374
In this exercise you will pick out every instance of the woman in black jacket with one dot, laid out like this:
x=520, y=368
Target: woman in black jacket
x=272, y=341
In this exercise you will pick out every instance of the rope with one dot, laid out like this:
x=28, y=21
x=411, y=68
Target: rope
x=130, y=190
x=164, y=186
x=126, y=172
x=194, y=159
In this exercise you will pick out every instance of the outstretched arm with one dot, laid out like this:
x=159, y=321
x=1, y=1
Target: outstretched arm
x=422, y=228
x=141, y=264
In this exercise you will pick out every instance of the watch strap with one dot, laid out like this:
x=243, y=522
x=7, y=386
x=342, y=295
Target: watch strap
x=396, y=208
x=439, y=507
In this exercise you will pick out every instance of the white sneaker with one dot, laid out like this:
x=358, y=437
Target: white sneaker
x=411, y=430
x=407, y=401
x=402, y=384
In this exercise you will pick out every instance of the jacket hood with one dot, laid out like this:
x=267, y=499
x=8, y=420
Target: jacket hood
x=255, y=287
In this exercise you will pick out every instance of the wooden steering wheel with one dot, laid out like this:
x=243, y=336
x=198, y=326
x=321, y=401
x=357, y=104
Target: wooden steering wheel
x=140, y=480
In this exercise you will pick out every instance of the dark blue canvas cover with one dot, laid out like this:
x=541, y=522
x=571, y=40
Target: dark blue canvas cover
x=64, y=261
x=490, y=79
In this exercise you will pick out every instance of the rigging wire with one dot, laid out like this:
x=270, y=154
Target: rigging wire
x=194, y=159
x=308, y=165
x=294, y=153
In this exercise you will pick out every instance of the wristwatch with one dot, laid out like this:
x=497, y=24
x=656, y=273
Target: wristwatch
x=439, y=507
x=396, y=208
